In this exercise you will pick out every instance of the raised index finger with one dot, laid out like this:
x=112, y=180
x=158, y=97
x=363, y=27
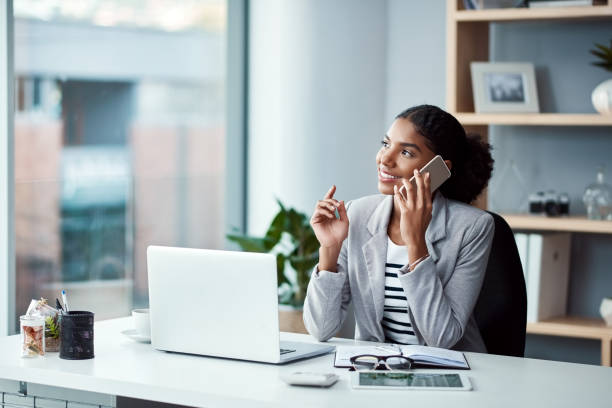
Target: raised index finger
x=330, y=193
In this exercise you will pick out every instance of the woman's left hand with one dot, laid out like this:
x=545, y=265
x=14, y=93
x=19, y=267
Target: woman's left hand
x=415, y=207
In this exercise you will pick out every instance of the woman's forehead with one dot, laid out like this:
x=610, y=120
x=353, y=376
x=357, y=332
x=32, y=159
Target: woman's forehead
x=402, y=130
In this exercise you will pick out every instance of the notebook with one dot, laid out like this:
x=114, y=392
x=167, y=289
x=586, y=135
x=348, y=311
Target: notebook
x=422, y=356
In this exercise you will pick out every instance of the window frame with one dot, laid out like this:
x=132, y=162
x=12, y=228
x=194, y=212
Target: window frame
x=7, y=180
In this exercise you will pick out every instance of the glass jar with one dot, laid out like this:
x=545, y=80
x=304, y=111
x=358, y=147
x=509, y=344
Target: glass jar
x=598, y=199
x=32, y=336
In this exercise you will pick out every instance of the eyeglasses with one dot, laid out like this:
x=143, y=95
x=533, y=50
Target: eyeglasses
x=372, y=362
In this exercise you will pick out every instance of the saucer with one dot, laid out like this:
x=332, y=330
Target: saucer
x=132, y=334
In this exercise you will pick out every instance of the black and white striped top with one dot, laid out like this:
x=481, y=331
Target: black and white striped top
x=396, y=321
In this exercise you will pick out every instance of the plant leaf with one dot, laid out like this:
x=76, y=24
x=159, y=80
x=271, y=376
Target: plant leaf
x=304, y=263
x=606, y=50
x=296, y=224
x=280, y=269
x=252, y=244
x=275, y=231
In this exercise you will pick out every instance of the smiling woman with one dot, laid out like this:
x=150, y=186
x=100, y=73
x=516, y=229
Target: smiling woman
x=411, y=264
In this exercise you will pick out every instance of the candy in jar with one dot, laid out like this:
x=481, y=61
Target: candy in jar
x=32, y=336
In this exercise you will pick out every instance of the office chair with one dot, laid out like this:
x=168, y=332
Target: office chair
x=501, y=309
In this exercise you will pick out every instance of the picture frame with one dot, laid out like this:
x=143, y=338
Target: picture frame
x=508, y=87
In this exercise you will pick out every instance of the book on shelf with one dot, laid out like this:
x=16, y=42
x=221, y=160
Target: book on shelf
x=562, y=3
x=545, y=260
x=490, y=4
x=422, y=356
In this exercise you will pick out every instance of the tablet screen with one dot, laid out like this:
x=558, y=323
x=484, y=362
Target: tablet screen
x=387, y=379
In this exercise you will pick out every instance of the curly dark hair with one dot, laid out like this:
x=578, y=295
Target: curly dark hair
x=471, y=159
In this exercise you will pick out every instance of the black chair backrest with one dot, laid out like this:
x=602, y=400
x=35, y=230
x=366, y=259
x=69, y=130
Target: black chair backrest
x=501, y=309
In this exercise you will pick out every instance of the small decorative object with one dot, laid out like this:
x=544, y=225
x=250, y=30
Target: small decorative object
x=40, y=308
x=293, y=240
x=32, y=331
x=605, y=309
x=536, y=203
x=52, y=333
x=564, y=201
x=598, y=198
x=504, y=87
x=549, y=203
x=602, y=94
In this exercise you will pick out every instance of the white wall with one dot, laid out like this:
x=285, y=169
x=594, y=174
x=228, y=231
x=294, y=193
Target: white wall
x=416, y=55
x=317, y=100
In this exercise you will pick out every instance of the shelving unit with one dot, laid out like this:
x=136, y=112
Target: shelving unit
x=580, y=327
x=534, y=119
x=568, y=224
x=537, y=14
x=467, y=41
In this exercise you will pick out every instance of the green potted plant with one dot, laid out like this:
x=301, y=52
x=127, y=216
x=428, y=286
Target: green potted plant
x=292, y=240
x=602, y=94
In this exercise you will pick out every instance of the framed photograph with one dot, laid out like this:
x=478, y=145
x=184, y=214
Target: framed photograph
x=504, y=87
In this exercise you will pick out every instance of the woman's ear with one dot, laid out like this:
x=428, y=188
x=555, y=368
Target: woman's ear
x=449, y=164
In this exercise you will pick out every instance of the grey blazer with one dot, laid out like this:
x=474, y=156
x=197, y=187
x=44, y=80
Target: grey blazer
x=441, y=290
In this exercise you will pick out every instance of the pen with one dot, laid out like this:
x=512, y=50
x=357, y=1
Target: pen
x=65, y=301
x=58, y=305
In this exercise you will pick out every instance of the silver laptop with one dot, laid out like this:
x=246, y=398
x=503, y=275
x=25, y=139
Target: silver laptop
x=218, y=303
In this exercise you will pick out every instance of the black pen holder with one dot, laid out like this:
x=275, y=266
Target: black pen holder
x=77, y=335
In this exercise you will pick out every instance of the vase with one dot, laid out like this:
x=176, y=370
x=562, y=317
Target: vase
x=605, y=309
x=602, y=97
x=597, y=199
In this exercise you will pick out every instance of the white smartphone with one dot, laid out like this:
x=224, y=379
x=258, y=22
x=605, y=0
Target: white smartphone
x=438, y=174
x=403, y=380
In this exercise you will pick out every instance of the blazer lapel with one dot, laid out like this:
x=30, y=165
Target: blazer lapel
x=437, y=227
x=375, y=253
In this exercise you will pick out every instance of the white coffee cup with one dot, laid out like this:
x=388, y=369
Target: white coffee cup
x=142, y=324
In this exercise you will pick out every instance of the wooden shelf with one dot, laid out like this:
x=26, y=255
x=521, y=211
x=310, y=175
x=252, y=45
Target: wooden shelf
x=569, y=326
x=578, y=327
x=530, y=14
x=569, y=224
x=534, y=119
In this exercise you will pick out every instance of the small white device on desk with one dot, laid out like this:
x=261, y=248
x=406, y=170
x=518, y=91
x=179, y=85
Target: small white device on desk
x=220, y=304
x=310, y=379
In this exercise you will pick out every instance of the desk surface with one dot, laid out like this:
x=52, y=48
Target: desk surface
x=126, y=368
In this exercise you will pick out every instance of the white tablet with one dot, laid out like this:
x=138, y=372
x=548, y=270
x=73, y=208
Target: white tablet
x=398, y=380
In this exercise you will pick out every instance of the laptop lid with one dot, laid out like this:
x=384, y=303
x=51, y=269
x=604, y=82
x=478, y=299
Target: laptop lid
x=215, y=303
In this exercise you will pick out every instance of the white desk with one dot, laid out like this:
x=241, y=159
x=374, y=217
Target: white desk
x=126, y=368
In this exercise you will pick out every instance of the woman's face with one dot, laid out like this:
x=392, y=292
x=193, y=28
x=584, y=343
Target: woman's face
x=403, y=150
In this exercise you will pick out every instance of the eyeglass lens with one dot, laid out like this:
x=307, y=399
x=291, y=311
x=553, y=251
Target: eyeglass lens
x=372, y=362
x=398, y=363
x=366, y=363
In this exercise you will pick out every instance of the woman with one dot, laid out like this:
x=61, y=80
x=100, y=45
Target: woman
x=413, y=263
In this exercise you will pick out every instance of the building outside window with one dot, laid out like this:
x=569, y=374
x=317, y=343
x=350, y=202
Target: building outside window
x=119, y=143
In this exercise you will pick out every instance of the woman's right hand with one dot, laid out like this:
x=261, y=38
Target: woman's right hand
x=330, y=231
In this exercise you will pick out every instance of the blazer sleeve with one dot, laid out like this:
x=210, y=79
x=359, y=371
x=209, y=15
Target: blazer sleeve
x=328, y=297
x=452, y=305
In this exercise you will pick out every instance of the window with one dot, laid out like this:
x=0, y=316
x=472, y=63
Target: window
x=119, y=143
